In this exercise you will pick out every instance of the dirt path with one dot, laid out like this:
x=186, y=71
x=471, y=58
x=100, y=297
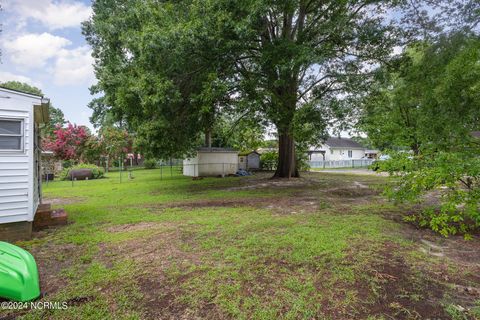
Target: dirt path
x=358, y=171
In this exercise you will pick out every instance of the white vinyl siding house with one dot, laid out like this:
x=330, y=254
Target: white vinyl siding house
x=337, y=149
x=20, y=117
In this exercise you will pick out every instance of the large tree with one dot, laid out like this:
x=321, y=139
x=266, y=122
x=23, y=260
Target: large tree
x=168, y=68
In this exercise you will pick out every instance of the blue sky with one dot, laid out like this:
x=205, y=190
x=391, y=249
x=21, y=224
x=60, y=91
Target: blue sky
x=42, y=45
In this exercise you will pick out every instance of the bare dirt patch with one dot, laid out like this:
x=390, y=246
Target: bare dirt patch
x=403, y=294
x=296, y=195
x=352, y=192
x=132, y=227
x=280, y=205
x=263, y=183
x=51, y=260
x=63, y=201
x=462, y=252
x=155, y=256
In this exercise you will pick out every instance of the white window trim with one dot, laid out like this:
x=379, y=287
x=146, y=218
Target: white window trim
x=21, y=135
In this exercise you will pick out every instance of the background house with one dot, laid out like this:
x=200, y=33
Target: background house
x=371, y=153
x=20, y=167
x=337, y=149
x=249, y=160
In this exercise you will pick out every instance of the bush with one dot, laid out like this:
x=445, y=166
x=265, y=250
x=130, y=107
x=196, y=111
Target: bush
x=150, y=164
x=97, y=172
x=268, y=160
x=303, y=163
x=451, y=180
x=67, y=163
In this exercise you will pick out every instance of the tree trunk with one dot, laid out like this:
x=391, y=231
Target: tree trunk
x=286, y=167
x=208, y=138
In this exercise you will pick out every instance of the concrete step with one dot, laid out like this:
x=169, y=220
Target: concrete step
x=46, y=217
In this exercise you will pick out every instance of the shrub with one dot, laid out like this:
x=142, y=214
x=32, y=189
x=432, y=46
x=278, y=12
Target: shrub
x=67, y=163
x=303, y=163
x=451, y=180
x=150, y=164
x=97, y=172
x=268, y=160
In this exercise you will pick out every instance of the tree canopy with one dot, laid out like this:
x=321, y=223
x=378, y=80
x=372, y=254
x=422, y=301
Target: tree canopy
x=429, y=102
x=169, y=69
x=428, y=98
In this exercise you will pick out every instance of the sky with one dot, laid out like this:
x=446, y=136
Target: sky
x=42, y=45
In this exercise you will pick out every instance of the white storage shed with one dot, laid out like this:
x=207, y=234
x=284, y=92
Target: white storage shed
x=249, y=160
x=20, y=179
x=211, y=162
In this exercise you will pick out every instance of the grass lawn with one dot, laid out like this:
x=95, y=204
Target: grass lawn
x=326, y=246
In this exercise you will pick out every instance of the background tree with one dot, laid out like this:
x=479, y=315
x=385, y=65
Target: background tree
x=167, y=99
x=115, y=142
x=430, y=104
x=68, y=143
x=56, y=115
x=243, y=133
x=169, y=68
x=428, y=95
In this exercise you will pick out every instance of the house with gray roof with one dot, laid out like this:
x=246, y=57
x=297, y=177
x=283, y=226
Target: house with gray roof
x=337, y=148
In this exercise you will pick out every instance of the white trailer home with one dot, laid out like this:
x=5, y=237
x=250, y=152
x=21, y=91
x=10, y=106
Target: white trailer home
x=21, y=115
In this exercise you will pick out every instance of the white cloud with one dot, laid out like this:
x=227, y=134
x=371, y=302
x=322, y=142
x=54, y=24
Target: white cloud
x=53, y=14
x=8, y=76
x=74, y=67
x=34, y=50
x=52, y=54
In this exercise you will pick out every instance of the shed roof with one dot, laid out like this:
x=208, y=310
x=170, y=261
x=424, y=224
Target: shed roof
x=334, y=142
x=246, y=153
x=20, y=92
x=214, y=149
x=476, y=134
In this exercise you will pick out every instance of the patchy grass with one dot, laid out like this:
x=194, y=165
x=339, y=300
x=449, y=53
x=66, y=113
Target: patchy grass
x=326, y=246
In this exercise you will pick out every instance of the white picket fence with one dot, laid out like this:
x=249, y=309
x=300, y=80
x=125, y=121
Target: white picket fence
x=361, y=163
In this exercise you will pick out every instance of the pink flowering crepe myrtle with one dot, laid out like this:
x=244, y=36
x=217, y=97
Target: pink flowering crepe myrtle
x=67, y=143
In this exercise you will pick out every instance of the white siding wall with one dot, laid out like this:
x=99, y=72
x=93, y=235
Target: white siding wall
x=342, y=154
x=211, y=164
x=17, y=192
x=317, y=156
x=242, y=162
x=253, y=161
x=190, y=167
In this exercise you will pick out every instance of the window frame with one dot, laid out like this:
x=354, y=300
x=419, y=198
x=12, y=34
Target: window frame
x=21, y=135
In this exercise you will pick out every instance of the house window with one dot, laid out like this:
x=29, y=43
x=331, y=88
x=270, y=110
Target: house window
x=350, y=153
x=331, y=151
x=11, y=134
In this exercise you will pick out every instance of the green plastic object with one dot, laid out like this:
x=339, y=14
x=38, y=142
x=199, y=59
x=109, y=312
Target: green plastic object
x=18, y=274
